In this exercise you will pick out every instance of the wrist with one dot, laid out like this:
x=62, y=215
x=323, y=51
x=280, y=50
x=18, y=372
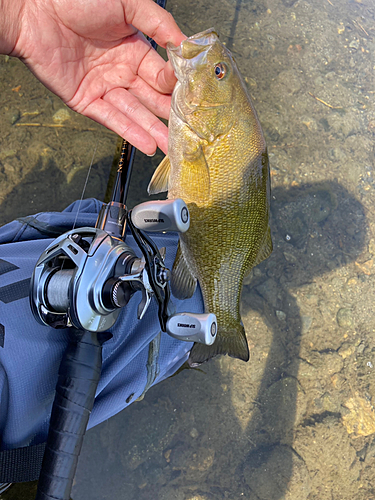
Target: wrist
x=10, y=24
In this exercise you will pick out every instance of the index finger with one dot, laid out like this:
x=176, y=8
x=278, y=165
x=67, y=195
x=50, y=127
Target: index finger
x=154, y=21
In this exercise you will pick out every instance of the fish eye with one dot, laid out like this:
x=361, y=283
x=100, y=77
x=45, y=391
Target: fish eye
x=220, y=70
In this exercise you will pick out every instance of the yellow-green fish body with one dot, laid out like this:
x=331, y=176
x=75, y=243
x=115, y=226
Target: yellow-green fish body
x=217, y=163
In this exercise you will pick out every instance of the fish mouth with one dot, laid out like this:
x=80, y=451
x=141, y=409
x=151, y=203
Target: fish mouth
x=190, y=52
x=184, y=58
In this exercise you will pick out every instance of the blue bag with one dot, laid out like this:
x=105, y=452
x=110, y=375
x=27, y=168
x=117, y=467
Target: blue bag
x=30, y=353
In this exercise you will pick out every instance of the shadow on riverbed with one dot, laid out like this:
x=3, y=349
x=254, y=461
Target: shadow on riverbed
x=151, y=450
x=46, y=188
x=148, y=450
x=316, y=228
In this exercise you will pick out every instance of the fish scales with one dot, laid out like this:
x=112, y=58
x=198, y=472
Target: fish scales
x=217, y=163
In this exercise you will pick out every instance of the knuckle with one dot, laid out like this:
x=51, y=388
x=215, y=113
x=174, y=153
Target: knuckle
x=133, y=106
x=125, y=131
x=154, y=127
x=158, y=22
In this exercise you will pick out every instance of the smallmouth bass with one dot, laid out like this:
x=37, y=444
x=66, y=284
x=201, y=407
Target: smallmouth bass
x=218, y=164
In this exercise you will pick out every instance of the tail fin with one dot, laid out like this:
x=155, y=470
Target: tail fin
x=232, y=342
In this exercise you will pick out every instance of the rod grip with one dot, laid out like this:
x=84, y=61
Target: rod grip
x=78, y=379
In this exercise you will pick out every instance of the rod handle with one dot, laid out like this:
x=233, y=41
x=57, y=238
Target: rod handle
x=78, y=379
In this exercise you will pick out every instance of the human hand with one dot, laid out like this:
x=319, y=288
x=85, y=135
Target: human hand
x=91, y=54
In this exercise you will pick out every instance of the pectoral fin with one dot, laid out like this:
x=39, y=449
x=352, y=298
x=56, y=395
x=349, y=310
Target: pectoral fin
x=160, y=179
x=183, y=283
x=195, y=176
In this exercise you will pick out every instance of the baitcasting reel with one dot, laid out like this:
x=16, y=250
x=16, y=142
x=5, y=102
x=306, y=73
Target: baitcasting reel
x=87, y=275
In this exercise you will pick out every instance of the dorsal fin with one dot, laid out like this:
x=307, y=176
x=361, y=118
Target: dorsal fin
x=183, y=283
x=160, y=179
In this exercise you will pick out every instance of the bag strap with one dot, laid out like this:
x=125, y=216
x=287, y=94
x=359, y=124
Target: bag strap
x=21, y=465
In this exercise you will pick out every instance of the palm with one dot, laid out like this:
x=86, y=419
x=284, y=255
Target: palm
x=100, y=65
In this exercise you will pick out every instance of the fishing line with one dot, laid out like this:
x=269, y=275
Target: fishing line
x=84, y=187
x=83, y=192
x=234, y=25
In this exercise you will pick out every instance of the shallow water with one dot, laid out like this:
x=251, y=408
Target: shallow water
x=296, y=422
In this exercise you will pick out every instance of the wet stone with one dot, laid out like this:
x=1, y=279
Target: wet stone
x=354, y=44
x=9, y=169
x=361, y=348
x=194, y=433
x=344, y=317
x=331, y=363
x=281, y=316
x=203, y=460
x=346, y=350
x=13, y=116
x=61, y=115
x=361, y=417
x=306, y=324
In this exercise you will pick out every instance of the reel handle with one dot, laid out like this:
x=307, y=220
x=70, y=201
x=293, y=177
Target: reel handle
x=161, y=215
x=192, y=327
x=79, y=375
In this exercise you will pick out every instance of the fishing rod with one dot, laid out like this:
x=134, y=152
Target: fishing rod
x=81, y=282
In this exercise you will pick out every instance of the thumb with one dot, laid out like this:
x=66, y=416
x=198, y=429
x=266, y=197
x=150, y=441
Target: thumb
x=153, y=21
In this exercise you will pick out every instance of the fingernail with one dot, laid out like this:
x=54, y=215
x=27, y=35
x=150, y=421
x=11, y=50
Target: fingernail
x=153, y=154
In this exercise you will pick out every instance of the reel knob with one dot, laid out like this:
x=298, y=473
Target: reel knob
x=161, y=215
x=192, y=327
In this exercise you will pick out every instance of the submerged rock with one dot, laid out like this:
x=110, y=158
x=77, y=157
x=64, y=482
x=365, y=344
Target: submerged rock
x=344, y=317
x=61, y=115
x=361, y=417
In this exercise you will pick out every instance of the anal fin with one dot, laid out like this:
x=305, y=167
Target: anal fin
x=183, y=283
